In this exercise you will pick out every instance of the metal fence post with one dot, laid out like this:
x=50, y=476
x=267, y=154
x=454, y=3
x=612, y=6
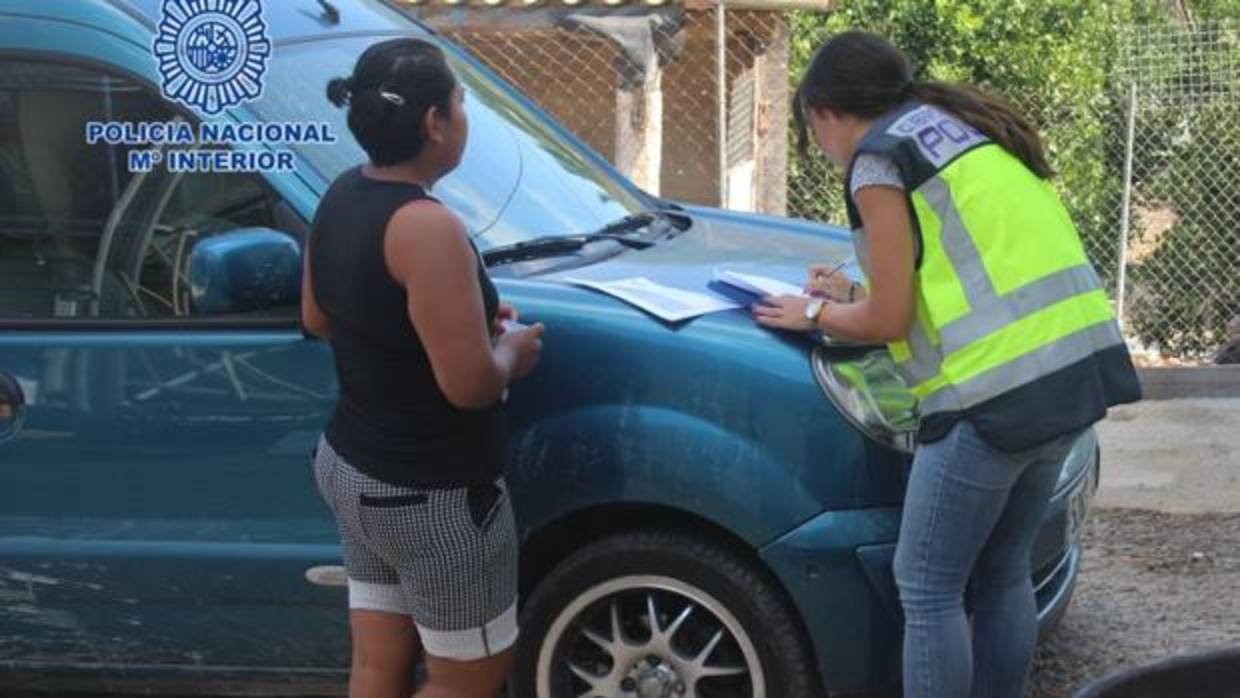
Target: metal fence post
x=1125, y=214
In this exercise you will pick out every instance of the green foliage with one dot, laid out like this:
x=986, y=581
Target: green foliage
x=1186, y=275
x=1060, y=63
x=1053, y=59
x=1209, y=10
x=1188, y=288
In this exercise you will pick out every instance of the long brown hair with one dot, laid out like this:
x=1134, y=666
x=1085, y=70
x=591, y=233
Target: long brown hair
x=865, y=75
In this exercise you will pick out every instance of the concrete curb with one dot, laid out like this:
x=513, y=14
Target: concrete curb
x=1200, y=381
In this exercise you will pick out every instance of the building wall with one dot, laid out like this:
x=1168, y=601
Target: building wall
x=573, y=76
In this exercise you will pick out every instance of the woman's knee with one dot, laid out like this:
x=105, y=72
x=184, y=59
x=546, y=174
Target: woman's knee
x=921, y=593
x=481, y=678
x=996, y=575
x=904, y=566
x=912, y=574
x=377, y=659
x=384, y=642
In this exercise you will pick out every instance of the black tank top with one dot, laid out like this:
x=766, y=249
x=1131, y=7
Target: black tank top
x=391, y=421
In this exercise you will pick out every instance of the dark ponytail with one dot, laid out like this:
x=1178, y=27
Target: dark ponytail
x=393, y=86
x=865, y=75
x=338, y=90
x=990, y=115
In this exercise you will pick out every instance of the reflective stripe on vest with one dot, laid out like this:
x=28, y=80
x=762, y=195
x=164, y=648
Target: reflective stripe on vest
x=922, y=356
x=924, y=361
x=1023, y=369
x=989, y=310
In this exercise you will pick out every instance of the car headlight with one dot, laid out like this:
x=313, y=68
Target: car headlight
x=1083, y=454
x=871, y=394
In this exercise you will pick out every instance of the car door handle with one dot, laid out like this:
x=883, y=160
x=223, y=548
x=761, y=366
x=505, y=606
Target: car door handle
x=11, y=398
x=327, y=576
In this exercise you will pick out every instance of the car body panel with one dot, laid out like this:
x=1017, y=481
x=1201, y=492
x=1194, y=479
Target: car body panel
x=838, y=568
x=721, y=435
x=141, y=491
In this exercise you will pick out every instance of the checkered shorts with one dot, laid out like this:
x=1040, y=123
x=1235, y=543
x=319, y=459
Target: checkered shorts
x=448, y=558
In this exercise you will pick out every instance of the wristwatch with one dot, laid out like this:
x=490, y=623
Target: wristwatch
x=813, y=309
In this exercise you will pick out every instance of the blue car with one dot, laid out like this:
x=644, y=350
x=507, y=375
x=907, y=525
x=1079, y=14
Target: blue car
x=707, y=508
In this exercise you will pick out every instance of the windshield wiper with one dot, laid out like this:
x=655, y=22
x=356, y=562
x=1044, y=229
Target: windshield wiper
x=330, y=12
x=554, y=245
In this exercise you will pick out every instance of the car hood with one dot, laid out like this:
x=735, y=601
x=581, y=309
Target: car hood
x=777, y=247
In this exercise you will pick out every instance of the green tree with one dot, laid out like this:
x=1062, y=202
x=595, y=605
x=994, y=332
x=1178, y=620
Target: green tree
x=1067, y=65
x=1052, y=59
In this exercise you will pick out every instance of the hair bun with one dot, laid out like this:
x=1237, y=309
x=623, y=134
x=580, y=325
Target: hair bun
x=339, y=91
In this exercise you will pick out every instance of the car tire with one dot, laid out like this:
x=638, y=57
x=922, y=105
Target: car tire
x=739, y=637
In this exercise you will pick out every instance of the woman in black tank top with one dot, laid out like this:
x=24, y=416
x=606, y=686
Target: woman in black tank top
x=415, y=446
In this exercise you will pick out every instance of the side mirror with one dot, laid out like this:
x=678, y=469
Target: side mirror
x=244, y=271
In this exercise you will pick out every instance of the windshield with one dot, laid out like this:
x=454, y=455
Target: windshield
x=518, y=180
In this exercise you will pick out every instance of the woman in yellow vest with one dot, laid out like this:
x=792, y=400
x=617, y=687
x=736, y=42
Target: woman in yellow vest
x=979, y=283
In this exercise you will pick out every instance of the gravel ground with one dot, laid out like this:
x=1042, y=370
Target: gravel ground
x=1161, y=573
x=1152, y=585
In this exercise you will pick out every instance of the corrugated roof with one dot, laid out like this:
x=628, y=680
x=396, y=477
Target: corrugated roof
x=771, y=5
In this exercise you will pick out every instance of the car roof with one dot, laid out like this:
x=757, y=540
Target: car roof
x=286, y=19
x=291, y=19
x=102, y=16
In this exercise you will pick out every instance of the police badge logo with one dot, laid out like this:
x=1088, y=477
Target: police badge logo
x=212, y=53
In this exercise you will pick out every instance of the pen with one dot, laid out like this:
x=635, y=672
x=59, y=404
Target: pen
x=839, y=266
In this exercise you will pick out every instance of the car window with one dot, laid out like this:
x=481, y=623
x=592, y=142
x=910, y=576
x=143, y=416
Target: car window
x=80, y=235
x=57, y=192
x=146, y=250
x=519, y=179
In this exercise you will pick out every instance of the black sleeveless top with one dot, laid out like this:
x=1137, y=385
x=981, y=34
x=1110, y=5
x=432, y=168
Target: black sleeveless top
x=392, y=421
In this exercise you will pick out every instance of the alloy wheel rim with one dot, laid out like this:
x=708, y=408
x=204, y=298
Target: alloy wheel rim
x=648, y=636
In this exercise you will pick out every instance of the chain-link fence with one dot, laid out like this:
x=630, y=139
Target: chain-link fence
x=641, y=86
x=1150, y=170
x=692, y=101
x=1182, y=183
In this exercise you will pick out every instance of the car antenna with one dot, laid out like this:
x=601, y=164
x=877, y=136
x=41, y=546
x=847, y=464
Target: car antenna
x=330, y=11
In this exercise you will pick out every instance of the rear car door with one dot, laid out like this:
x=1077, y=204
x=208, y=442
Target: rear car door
x=158, y=509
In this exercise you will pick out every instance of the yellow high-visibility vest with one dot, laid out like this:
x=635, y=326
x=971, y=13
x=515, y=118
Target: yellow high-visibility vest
x=1005, y=295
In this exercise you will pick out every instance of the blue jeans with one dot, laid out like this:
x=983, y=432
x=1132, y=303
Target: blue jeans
x=972, y=512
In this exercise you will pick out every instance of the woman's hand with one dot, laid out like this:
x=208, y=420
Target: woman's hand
x=883, y=312
x=504, y=314
x=526, y=346
x=826, y=280
x=784, y=312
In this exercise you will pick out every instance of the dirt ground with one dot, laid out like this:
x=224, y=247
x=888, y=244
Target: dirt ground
x=1161, y=573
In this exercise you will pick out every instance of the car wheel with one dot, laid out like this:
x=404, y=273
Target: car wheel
x=661, y=615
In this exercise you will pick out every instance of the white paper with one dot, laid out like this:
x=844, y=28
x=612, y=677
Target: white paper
x=757, y=284
x=665, y=302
